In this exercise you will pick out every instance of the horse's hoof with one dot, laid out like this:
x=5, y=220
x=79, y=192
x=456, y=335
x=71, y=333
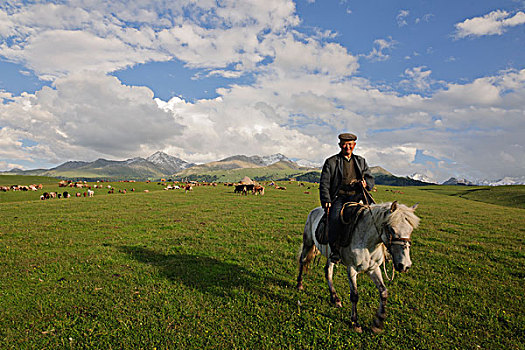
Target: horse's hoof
x=377, y=330
x=336, y=301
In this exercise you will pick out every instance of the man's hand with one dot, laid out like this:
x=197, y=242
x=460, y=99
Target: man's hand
x=326, y=206
x=363, y=182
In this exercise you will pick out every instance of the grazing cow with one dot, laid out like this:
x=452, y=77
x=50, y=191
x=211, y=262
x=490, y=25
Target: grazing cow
x=90, y=193
x=79, y=194
x=280, y=188
x=258, y=189
x=66, y=194
x=188, y=188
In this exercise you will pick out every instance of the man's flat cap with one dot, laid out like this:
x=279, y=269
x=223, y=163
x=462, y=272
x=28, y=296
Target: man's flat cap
x=347, y=137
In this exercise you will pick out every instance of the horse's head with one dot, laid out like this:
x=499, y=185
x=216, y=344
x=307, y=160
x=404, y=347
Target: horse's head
x=397, y=234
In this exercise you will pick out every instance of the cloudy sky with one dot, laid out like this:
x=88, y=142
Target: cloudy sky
x=429, y=87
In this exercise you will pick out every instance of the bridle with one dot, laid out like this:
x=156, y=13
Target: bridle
x=393, y=238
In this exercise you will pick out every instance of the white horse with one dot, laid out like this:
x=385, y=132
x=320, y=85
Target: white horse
x=387, y=225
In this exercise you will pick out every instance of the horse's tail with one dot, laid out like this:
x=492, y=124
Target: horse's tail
x=308, y=250
x=306, y=256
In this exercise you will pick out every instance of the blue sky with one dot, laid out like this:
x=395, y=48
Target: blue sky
x=429, y=87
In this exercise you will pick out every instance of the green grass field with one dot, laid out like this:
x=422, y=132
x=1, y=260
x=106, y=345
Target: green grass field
x=212, y=269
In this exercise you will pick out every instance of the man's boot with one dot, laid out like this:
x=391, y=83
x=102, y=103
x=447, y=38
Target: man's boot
x=334, y=253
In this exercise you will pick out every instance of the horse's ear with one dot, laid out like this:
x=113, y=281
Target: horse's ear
x=414, y=207
x=393, y=207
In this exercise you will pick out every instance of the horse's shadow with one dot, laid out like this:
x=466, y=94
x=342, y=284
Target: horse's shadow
x=209, y=275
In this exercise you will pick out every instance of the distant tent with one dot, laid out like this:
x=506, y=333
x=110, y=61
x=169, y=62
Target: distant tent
x=247, y=181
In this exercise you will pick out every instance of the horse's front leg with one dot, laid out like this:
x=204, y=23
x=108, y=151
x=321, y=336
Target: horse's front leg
x=378, y=324
x=354, y=297
x=329, y=272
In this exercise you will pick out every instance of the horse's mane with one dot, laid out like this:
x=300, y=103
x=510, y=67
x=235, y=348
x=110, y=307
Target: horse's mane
x=401, y=213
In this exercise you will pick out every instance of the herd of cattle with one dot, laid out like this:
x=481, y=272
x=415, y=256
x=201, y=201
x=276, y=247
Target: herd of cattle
x=21, y=188
x=65, y=194
x=86, y=188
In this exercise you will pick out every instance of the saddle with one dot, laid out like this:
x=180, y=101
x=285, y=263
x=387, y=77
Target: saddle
x=349, y=216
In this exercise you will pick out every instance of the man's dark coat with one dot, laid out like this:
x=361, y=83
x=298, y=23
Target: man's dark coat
x=332, y=175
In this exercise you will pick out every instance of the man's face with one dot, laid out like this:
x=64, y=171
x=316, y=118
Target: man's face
x=347, y=147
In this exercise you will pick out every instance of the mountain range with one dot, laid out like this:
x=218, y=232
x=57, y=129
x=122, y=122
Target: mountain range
x=520, y=180
x=231, y=169
x=157, y=165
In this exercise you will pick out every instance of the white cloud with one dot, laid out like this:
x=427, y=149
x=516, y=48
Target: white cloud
x=493, y=23
x=57, y=53
x=381, y=46
x=68, y=37
x=401, y=18
x=424, y=18
x=88, y=115
x=297, y=57
x=418, y=77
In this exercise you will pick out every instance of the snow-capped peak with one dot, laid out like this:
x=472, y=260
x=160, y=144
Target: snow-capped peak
x=272, y=159
x=307, y=164
x=421, y=177
x=170, y=163
x=520, y=180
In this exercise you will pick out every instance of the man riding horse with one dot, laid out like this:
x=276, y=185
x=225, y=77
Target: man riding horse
x=344, y=178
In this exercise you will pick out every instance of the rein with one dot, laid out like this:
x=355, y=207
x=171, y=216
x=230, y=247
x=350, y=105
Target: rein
x=351, y=204
x=385, y=252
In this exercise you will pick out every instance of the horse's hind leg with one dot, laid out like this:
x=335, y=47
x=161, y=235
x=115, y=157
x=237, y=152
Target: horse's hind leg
x=329, y=272
x=378, y=324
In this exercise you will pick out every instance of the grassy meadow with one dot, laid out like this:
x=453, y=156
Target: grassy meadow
x=212, y=269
